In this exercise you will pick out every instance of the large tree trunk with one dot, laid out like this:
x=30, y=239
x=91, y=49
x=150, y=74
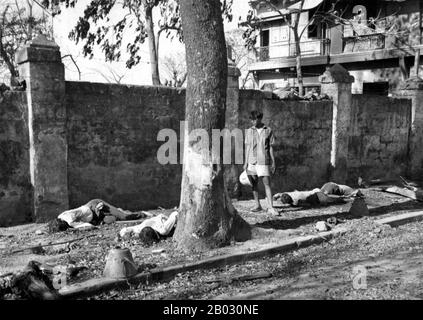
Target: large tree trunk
x=207, y=218
x=154, y=58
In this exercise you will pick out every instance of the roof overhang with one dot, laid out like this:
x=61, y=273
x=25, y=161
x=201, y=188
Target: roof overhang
x=293, y=5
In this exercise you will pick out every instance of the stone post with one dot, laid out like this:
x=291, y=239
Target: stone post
x=336, y=83
x=40, y=66
x=232, y=122
x=413, y=89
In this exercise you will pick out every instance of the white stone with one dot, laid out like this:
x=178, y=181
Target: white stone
x=321, y=226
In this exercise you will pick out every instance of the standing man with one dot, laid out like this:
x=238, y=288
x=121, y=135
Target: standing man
x=259, y=159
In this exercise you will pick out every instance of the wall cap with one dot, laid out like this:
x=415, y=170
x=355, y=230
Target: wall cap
x=413, y=83
x=233, y=70
x=336, y=74
x=39, y=49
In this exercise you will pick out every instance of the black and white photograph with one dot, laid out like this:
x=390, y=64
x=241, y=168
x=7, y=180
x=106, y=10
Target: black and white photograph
x=212, y=155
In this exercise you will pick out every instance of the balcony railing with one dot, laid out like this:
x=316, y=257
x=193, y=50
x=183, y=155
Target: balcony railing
x=287, y=50
x=365, y=42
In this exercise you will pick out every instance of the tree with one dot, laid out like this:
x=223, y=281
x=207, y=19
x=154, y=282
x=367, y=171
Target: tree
x=406, y=33
x=18, y=25
x=174, y=69
x=110, y=74
x=241, y=56
x=104, y=24
x=207, y=218
x=401, y=31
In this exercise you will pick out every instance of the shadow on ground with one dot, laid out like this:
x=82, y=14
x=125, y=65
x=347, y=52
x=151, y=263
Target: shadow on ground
x=283, y=224
x=395, y=276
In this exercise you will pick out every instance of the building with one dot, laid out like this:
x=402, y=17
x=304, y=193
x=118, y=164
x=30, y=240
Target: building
x=375, y=40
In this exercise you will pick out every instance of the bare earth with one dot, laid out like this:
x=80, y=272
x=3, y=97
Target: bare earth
x=391, y=257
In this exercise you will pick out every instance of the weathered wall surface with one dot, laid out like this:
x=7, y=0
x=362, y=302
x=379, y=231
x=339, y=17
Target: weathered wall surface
x=303, y=132
x=112, y=144
x=379, y=135
x=112, y=138
x=15, y=186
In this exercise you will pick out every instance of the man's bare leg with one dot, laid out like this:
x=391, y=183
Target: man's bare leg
x=269, y=197
x=256, y=195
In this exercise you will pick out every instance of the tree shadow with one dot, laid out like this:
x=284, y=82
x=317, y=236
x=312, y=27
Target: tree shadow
x=283, y=224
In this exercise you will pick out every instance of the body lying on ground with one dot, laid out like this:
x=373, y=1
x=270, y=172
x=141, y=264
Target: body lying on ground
x=333, y=188
x=91, y=214
x=330, y=193
x=153, y=229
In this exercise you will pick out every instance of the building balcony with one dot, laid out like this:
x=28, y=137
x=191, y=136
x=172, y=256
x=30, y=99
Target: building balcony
x=288, y=50
x=366, y=42
x=375, y=50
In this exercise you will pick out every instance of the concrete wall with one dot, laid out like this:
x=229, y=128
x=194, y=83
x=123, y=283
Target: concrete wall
x=378, y=139
x=112, y=137
x=111, y=134
x=15, y=186
x=303, y=132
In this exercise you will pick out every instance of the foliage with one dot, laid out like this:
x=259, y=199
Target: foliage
x=174, y=69
x=105, y=23
x=18, y=24
x=241, y=56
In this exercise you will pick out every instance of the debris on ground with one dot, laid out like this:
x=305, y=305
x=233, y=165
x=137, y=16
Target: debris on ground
x=39, y=249
x=333, y=221
x=415, y=194
x=363, y=239
x=120, y=264
x=321, y=226
x=158, y=251
x=30, y=283
x=359, y=208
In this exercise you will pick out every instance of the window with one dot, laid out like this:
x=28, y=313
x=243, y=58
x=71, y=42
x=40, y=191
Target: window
x=264, y=38
x=312, y=31
x=378, y=88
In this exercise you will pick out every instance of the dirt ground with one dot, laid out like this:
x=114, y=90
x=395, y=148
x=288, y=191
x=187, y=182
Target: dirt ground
x=391, y=257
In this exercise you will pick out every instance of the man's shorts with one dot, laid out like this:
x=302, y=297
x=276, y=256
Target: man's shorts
x=258, y=170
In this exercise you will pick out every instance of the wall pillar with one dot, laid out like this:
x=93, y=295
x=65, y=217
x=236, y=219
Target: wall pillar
x=336, y=83
x=413, y=89
x=40, y=66
x=232, y=122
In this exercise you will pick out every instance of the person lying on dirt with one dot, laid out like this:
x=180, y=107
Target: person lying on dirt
x=91, y=214
x=330, y=193
x=307, y=198
x=340, y=190
x=153, y=229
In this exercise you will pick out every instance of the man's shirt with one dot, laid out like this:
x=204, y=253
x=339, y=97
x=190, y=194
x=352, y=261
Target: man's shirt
x=258, y=144
x=160, y=223
x=78, y=218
